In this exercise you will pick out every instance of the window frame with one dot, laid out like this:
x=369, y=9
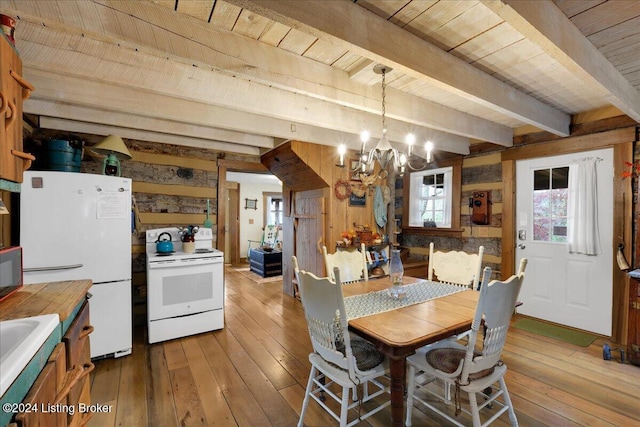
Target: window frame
x=417, y=199
x=266, y=199
x=455, y=162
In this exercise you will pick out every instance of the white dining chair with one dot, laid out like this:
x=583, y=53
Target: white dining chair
x=455, y=267
x=351, y=262
x=472, y=369
x=337, y=359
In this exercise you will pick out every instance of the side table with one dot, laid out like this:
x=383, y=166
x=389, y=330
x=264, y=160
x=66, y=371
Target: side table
x=264, y=263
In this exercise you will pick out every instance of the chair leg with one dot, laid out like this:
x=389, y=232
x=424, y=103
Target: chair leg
x=475, y=412
x=344, y=406
x=307, y=395
x=447, y=393
x=507, y=401
x=410, y=390
x=364, y=390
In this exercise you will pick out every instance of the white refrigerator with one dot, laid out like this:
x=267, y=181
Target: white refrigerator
x=78, y=226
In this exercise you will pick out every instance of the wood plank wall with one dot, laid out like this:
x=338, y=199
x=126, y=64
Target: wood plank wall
x=341, y=215
x=171, y=185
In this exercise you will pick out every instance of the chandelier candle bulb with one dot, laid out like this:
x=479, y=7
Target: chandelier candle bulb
x=342, y=150
x=428, y=147
x=364, y=137
x=411, y=139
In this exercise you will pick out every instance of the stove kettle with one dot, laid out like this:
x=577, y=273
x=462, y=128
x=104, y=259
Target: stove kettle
x=164, y=246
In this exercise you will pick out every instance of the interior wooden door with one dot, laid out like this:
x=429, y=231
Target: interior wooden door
x=309, y=229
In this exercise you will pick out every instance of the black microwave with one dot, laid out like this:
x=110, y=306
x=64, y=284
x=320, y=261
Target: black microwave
x=10, y=271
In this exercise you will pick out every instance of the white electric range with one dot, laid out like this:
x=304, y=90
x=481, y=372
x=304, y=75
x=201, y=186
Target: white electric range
x=185, y=291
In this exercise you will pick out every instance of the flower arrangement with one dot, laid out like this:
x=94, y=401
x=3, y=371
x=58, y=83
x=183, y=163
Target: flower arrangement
x=359, y=234
x=348, y=236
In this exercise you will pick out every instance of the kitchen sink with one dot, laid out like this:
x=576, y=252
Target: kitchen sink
x=20, y=340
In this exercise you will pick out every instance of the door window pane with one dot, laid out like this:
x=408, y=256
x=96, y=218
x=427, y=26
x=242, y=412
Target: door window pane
x=541, y=229
x=560, y=177
x=550, y=195
x=541, y=179
x=541, y=208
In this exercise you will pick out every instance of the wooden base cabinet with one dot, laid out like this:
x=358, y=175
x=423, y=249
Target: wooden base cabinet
x=78, y=356
x=62, y=389
x=41, y=407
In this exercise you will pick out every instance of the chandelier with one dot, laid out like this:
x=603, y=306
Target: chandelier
x=383, y=152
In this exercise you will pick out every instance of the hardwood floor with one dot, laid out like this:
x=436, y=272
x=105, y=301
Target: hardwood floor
x=253, y=373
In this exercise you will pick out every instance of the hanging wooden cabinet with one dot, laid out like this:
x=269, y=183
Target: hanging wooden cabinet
x=14, y=89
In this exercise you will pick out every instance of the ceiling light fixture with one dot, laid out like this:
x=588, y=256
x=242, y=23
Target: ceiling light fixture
x=383, y=152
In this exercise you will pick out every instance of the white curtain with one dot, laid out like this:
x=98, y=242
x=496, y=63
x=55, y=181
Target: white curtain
x=582, y=234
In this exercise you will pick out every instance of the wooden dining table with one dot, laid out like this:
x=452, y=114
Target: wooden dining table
x=399, y=332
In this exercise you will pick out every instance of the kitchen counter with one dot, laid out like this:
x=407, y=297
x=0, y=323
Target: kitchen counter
x=64, y=298
x=60, y=298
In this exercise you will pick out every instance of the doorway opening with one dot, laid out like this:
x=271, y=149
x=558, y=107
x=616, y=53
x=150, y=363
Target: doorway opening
x=255, y=199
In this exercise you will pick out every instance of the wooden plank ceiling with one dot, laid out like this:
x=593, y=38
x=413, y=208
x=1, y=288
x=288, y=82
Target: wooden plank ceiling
x=242, y=75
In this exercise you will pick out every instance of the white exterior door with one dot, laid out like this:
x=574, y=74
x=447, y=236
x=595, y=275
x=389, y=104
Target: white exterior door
x=562, y=287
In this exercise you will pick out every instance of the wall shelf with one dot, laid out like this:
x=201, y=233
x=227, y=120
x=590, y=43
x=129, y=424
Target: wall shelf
x=433, y=231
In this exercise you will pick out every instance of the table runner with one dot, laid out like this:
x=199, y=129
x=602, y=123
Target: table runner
x=380, y=301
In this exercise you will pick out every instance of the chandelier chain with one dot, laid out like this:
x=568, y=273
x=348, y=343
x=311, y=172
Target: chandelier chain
x=384, y=116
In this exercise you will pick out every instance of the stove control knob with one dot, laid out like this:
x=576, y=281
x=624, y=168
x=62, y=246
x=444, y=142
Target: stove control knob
x=152, y=235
